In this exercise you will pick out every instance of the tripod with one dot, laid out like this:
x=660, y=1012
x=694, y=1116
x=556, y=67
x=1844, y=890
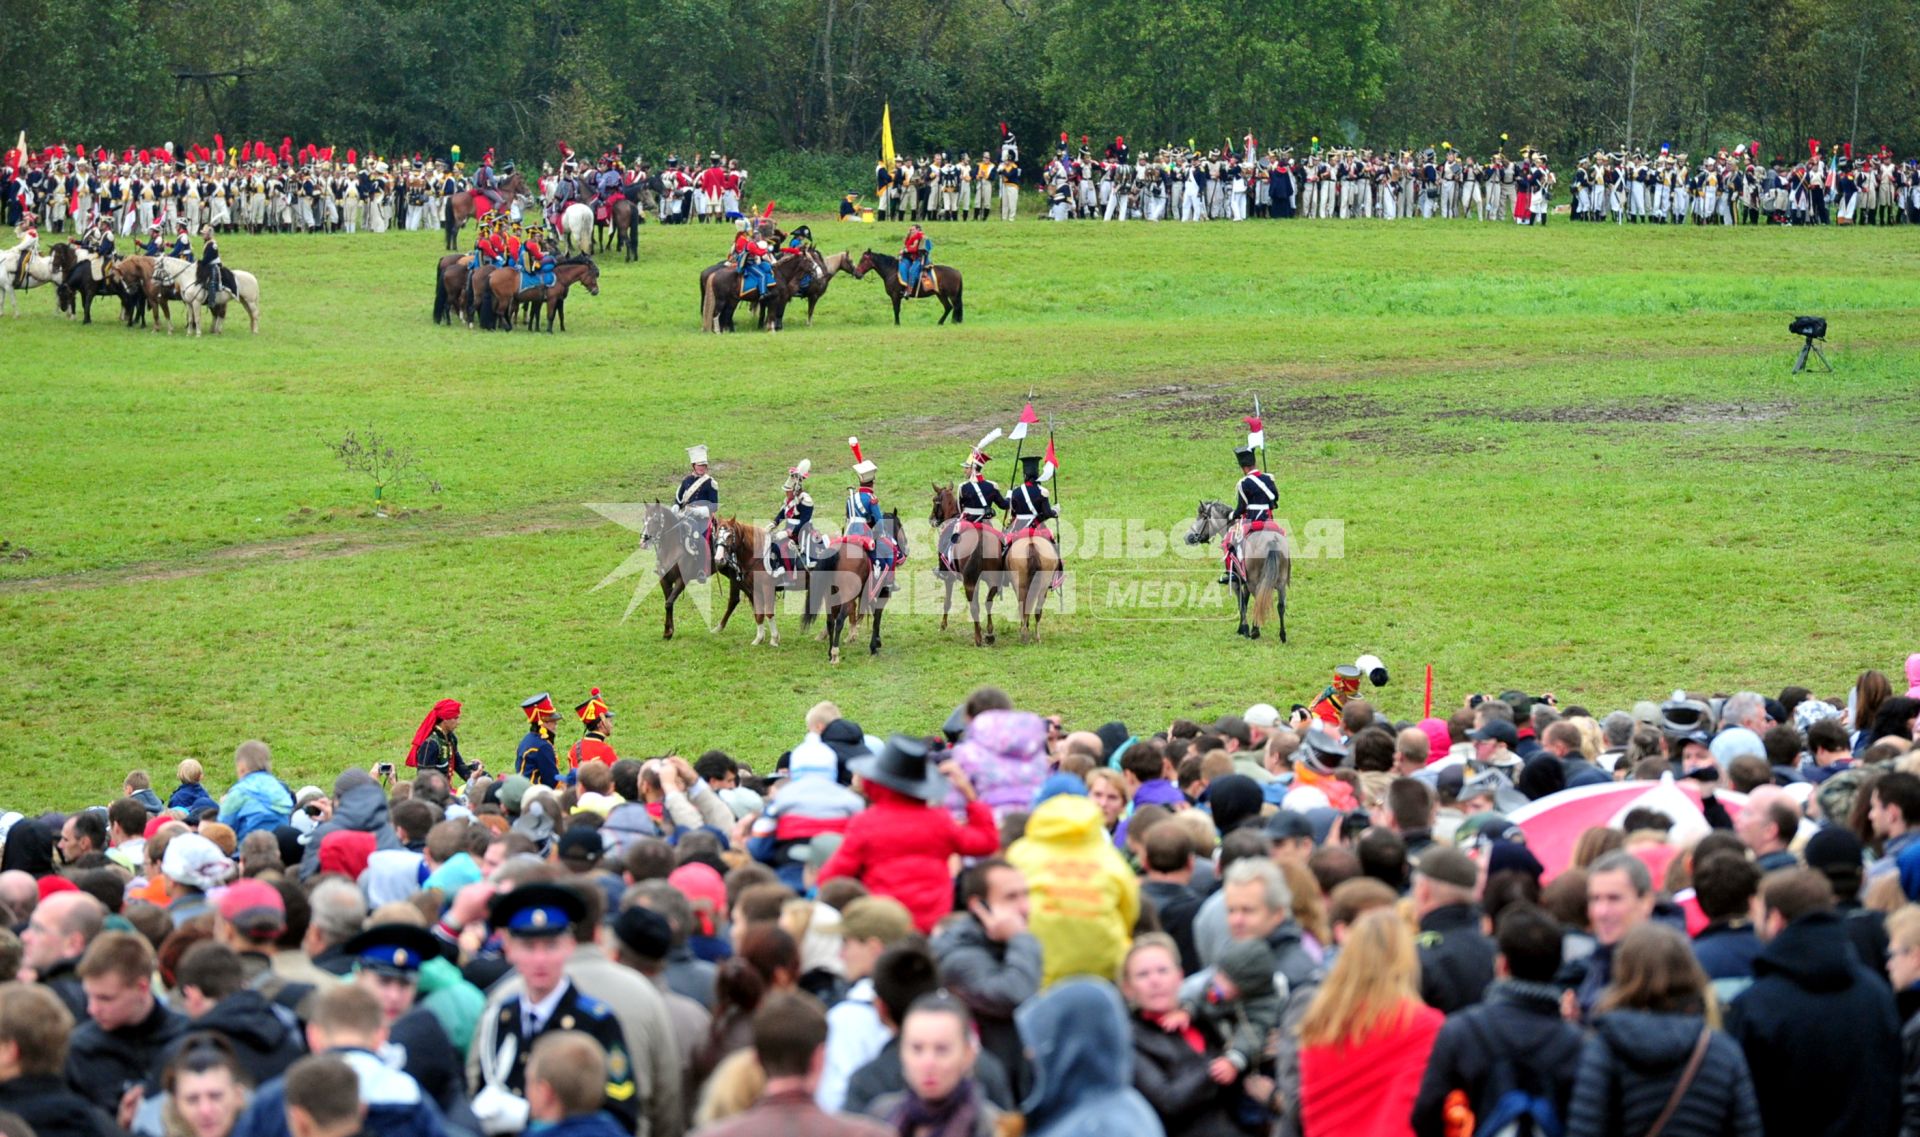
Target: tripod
x=1810, y=346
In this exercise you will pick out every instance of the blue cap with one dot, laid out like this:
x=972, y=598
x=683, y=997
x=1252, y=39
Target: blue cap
x=539, y=909
x=393, y=949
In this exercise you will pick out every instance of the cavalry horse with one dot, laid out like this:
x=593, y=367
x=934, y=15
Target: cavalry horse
x=740, y=555
x=720, y=292
x=1261, y=572
x=832, y=264
x=623, y=218
x=450, y=289
x=463, y=206
x=939, y=281
x=1033, y=559
x=844, y=584
x=575, y=226
x=75, y=275
x=976, y=557
x=508, y=296
x=39, y=268
x=679, y=551
x=187, y=278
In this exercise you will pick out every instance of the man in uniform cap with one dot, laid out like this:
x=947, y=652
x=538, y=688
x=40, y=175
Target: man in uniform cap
x=387, y=959
x=697, y=500
x=793, y=524
x=1254, y=499
x=534, y=758
x=536, y=923
x=592, y=747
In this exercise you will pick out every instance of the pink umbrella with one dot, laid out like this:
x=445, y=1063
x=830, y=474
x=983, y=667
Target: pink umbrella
x=1554, y=823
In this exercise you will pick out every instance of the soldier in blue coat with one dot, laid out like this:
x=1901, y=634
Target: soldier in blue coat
x=534, y=757
x=182, y=246
x=864, y=518
x=1030, y=506
x=793, y=524
x=697, y=501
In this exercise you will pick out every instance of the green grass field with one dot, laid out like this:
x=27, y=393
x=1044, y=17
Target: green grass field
x=1571, y=459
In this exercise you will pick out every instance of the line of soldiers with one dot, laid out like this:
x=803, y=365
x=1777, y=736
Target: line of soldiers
x=501, y=243
x=1738, y=189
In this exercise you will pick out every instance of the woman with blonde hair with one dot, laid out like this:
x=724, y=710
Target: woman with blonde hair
x=1656, y=1059
x=1108, y=790
x=1366, y=1037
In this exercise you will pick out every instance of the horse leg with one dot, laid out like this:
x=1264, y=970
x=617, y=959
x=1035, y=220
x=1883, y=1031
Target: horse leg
x=873, y=645
x=973, y=608
x=946, y=308
x=993, y=591
x=733, y=600
x=1241, y=595
x=834, y=620
x=896, y=309
x=1281, y=611
x=669, y=590
x=946, y=605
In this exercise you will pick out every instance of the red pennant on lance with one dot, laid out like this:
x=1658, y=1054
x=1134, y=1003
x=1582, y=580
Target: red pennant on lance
x=1027, y=419
x=1028, y=416
x=1050, y=459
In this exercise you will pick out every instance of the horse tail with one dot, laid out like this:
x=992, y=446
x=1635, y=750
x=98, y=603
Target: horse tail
x=440, y=296
x=708, y=304
x=808, y=613
x=1268, y=583
x=446, y=221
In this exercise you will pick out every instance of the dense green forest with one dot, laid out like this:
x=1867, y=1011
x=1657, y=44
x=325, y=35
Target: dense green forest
x=765, y=77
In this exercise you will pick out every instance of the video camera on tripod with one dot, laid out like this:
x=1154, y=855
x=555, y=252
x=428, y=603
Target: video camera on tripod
x=1809, y=329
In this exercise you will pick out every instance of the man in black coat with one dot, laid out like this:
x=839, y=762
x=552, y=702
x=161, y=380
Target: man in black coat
x=120, y=1046
x=1515, y=1039
x=1456, y=957
x=1818, y=1027
x=34, y=1027
x=213, y=990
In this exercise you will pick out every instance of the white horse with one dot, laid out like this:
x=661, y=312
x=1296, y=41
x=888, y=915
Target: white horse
x=39, y=272
x=576, y=225
x=246, y=289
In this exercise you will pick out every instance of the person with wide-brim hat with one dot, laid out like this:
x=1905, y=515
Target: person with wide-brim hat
x=900, y=845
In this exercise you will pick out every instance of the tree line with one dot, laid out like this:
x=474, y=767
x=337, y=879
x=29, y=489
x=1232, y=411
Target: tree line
x=766, y=77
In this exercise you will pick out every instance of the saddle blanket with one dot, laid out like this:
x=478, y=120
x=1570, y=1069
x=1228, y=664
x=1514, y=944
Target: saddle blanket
x=536, y=280
x=1029, y=533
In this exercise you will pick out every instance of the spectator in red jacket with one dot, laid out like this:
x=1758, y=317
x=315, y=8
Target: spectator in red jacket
x=900, y=845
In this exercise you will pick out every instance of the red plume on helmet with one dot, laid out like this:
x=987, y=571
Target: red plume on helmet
x=1813, y=146
x=1063, y=138
x=1003, y=130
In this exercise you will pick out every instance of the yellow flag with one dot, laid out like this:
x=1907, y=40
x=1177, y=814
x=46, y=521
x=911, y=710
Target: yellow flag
x=886, y=134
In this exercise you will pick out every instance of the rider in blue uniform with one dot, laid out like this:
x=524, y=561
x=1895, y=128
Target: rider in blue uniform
x=153, y=247
x=182, y=246
x=793, y=525
x=698, y=500
x=799, y=243
x=864, y=518
x=1254, y=500
x=483, y=179
x=534, y=757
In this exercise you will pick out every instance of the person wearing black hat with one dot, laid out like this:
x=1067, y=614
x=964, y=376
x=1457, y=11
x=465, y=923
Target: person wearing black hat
x=1254, y=499
x=1493, y=745
x=900, y=845
x=386, y=963
x=1030, y=506
x=1456, y=957
x=536, y=921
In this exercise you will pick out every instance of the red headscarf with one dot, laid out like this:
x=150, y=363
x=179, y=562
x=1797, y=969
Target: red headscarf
x=442, y=710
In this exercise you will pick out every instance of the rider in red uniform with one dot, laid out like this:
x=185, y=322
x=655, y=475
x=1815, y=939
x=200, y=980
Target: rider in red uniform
x=913, y=257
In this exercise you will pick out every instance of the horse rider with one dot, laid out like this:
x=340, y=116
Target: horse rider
x=565, y=191
x=798, y=244
x=99, y=242
x=182, y=246
x=610, y=185
x=1030, y=506
x=698, y=500
x=29, y=241
x=1254, y=500
x=750, y=257
x=793, y=525
x=864, y=519
x=483, y=179
x=913, y=257
x=155, y=234
x=210, y=260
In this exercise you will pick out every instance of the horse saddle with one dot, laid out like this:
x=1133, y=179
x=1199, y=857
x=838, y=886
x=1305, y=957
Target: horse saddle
x=226, y=275
x=602, y=212
x=529, y=280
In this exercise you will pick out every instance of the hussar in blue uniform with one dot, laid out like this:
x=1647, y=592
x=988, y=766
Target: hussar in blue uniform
x=793, y=524
x=534, y=757
x=535, y=922
x=864, y=518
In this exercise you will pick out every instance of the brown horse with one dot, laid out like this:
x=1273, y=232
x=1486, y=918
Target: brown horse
x=846, y=584
x=939, y=281
x=509, y=299
x=79, y=280
x=971, y=554
x=1033, y=560
x=450, y=289
x=831, y=263
x=623, y=218
x=720, y=293
x=740, y=555
x=460, y=207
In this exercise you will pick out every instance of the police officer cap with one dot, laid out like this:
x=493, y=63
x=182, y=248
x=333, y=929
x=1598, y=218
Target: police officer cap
x=393, y=949
x=537, y=909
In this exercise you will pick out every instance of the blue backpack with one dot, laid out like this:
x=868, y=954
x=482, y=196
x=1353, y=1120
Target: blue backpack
x=1516, y=1111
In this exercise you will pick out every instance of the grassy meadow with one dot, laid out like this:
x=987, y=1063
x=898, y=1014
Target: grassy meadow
x=1570, y=459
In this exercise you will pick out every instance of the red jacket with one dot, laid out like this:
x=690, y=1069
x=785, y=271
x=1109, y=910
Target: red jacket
x=899, y=847
x=1366, y=1088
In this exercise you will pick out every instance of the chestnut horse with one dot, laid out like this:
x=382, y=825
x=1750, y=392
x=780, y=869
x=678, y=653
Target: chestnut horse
x=971, y=554
x=460, y=206
x=1261, y=573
